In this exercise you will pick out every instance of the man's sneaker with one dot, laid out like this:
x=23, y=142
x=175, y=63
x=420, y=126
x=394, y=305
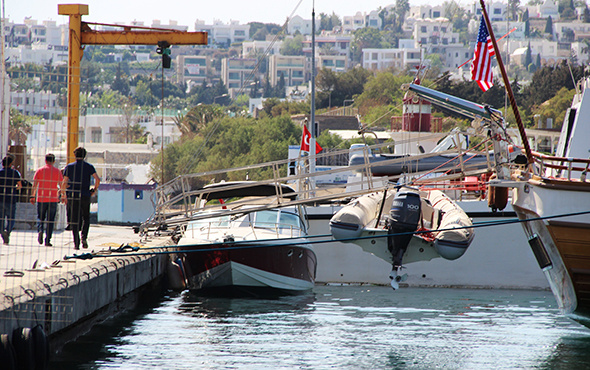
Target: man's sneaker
x=40, y=238
x=5, y=237
x=48, y=244
x=84, y=244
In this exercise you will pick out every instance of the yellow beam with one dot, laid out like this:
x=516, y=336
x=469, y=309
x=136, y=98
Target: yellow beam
x=143, y=38
x=81, y=34
x=75, y=12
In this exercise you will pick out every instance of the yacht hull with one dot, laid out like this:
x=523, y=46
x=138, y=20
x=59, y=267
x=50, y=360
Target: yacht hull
x=282, y=269
x=561, y=245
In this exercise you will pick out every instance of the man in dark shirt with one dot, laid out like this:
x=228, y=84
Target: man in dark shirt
x=77, y=177
x=10, y=185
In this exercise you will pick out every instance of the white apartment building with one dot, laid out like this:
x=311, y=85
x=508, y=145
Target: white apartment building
x=426, y=11
x=581, y=30
x=172, y=25
x=496, y=10
x=549, y=51
x=298, y=24
x=501, y=28
x=336, y=63
x=399, y=58
x=456, y=56
x=32, y=103
x=238, y=73
x=37, y=53
x=436, y=35
x=337, y=43
x=548, y=8
x=222, y=33
x=193, y=69
x=254, y=48
x=351, y=23
x=291, y=68
x=30, y=32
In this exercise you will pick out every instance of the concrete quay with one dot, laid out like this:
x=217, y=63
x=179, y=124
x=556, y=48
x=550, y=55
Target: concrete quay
x=38, y=286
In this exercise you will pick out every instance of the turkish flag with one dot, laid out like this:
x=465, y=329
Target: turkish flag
x=305, y=142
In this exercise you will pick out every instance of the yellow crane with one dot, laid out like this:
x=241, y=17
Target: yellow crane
x=80, y=34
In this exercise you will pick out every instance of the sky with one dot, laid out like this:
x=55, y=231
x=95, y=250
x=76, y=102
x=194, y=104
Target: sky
x=186, y=11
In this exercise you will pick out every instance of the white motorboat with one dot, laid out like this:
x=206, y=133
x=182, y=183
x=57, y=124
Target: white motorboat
x=254, y=251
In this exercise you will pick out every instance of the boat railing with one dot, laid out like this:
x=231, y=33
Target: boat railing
x=561, y=167
x=177, y=201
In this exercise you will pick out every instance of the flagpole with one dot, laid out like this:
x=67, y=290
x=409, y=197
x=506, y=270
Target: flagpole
x=312, y=141
x=521, y=129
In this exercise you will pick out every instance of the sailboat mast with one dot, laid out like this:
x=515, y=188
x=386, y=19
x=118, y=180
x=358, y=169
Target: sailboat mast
x=521, y=129
x=311, y=122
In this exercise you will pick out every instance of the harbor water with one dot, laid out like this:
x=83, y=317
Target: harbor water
x=339, y=327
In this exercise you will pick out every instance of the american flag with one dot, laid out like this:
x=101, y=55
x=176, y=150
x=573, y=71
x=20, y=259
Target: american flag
x=481, y=67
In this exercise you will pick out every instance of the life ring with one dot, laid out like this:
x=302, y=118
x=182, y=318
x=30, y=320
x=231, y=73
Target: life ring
x=41, y=345
x=7, y=354
x=22, y=340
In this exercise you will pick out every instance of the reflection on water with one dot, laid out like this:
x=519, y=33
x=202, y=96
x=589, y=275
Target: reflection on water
x=342, y=328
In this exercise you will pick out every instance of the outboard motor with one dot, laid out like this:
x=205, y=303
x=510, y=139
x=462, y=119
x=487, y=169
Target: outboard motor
x=404, y=218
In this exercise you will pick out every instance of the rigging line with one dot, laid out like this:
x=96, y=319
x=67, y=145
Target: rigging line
x=474, y=226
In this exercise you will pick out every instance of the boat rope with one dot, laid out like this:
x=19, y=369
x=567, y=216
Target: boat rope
x=248, y=244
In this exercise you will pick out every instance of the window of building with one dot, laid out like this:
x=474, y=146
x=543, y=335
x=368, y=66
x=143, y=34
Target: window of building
x=497, y=11
x=96, y=135
x=423, y=29
x=436, y=14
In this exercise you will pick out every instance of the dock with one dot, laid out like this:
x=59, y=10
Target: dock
x=42, y=285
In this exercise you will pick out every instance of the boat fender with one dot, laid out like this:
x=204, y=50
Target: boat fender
x=7, y=354
x=22, y=340
x=41, y=346
x=404, y=218
x=175, y=276
x=497, y=196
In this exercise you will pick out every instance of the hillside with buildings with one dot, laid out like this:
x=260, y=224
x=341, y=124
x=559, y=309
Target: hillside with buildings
x=124, y=99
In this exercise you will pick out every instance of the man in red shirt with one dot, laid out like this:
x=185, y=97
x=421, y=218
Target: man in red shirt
x=47, y=183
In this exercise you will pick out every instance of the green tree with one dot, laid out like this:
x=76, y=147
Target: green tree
x=20, y=127
x=549, y=26
x=292, y=46
x=328, y=22
x=528, y=58
x=513, y=9
x=343, y=86
x=364, y=38
x=197, y=118
x=121, y=83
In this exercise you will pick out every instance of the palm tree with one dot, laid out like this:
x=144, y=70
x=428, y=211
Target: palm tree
x=20, y=127
x=197, y=118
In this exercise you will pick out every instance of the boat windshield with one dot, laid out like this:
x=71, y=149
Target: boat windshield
x=272, y=219
x=214, y=222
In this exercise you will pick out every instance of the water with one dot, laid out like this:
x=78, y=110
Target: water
x=340, y=328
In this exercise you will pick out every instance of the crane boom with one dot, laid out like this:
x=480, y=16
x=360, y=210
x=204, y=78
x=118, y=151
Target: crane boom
x=81, y=34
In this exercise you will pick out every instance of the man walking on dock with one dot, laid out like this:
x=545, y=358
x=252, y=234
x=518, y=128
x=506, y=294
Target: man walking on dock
x=47, y=183
x=10, y=185
x=77, y=176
